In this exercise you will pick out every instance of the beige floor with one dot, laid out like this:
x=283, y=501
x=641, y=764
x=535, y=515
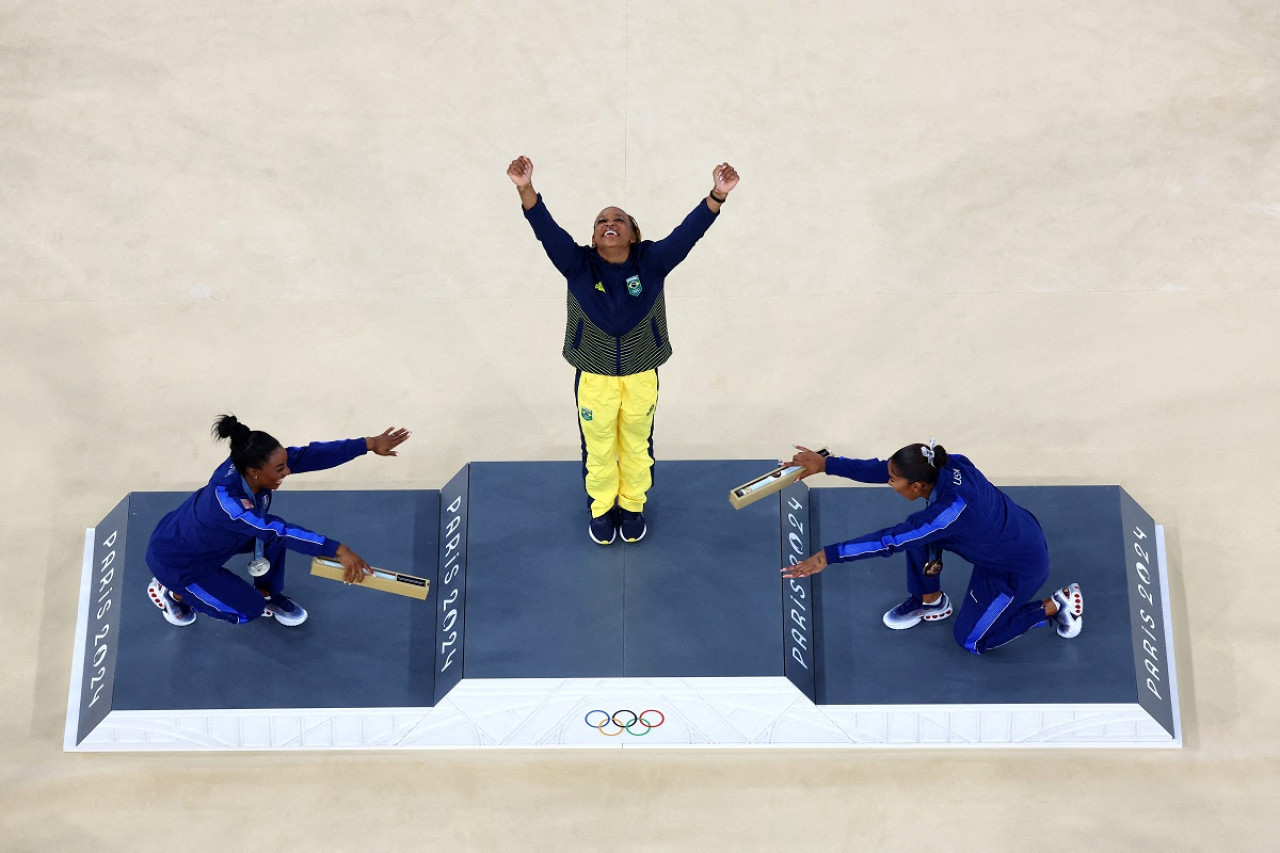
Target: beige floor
x=1044, y=232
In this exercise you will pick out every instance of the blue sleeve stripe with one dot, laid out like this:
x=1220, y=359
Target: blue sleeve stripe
x=887, y=544
x=993, y=612
x=236, y=512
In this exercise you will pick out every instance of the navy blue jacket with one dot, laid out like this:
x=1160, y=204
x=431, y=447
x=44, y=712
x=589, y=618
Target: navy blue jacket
x=966, y=515
x=223, y=518
x=616, y=316
x=612, y=307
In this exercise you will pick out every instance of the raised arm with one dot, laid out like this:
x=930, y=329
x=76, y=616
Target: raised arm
x=724, y=179
x=556, y=242
x=321, y=455
x=675, y=247
x=521, y=174
x=862, y=470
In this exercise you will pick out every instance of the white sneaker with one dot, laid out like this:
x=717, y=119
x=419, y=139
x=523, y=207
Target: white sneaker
x=913, y=610
x=1070, y=615
x=287, y=611
x=175, y=612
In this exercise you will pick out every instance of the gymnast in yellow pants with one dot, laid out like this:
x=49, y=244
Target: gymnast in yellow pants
x=616, y=337
x=615, y=419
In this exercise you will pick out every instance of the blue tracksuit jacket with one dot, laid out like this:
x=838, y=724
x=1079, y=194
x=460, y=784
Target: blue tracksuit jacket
x=223, y=517
x=966, y=515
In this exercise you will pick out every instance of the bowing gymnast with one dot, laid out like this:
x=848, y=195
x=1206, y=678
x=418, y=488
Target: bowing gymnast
x=968, y=516
x=190, y=547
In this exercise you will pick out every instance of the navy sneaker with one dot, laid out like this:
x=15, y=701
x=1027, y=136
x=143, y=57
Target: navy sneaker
x=632, y=526
x=287, y=611
x=604, y=528
x=913, y=610
x=175, y=612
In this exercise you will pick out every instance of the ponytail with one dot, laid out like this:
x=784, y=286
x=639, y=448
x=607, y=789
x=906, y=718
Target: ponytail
x=920, y=463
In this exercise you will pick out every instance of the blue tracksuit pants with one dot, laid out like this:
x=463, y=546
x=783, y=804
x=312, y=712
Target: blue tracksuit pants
x=225, y=595
x=998, y=606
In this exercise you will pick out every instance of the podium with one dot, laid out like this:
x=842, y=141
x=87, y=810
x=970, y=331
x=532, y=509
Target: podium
x=532, y=634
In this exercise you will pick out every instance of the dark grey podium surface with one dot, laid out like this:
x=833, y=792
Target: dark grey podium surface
x=529, y=627
x=356, y=649
x=698, y=596
x=863, y=662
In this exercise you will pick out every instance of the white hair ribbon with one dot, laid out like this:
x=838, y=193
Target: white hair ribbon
x=928, y=451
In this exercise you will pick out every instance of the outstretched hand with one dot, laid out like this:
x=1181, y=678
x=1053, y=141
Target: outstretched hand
x=521, y=172
x=726, y=178
x=386, y=443
x=811, y=462
x=804, y=568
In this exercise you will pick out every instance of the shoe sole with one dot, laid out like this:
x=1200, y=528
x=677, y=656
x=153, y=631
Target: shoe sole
x=279, y=616
x=638, y=538
x=287, y=621
x=158, y=601
x=597, y=541
x=929, y=617
x=1071, y=602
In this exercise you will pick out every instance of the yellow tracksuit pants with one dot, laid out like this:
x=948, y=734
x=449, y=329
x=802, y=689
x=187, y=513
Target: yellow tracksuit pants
x=615, y=420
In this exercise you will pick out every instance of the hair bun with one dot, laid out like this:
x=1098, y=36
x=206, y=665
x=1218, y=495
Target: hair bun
x=249, y=448
x=229, y=426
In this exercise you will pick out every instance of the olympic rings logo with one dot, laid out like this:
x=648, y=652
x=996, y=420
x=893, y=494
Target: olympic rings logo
x=626, y=724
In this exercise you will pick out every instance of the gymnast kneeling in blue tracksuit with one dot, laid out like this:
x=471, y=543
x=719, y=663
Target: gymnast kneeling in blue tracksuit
x=969, y=517
x=228, y=516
